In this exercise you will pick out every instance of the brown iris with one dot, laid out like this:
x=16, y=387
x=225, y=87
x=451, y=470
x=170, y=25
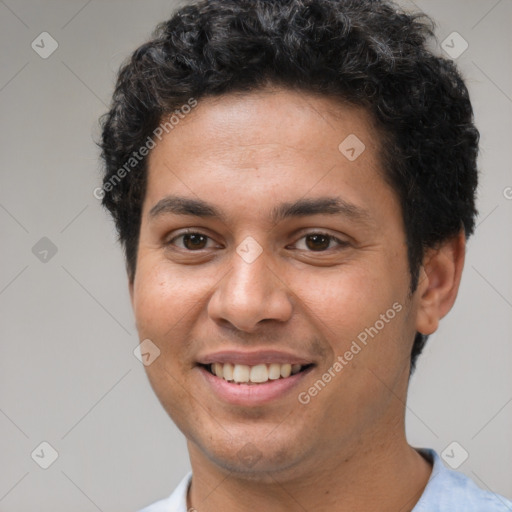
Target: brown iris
x=194, y=241
x=319, y=242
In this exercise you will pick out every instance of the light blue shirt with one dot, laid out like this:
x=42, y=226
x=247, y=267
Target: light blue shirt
x=446, y=491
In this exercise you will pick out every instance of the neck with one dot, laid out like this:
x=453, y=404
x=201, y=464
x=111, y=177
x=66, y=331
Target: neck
x=389, y=476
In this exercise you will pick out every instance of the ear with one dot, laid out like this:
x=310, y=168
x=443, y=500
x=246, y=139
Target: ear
x=439, y=282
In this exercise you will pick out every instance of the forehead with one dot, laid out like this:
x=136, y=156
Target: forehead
x=267, y=145
x=245, y=122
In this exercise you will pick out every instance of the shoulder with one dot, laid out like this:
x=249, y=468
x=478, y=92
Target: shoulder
x=176, y=502
x=451, y=491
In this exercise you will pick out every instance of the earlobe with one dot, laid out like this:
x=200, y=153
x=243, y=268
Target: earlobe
x=439, y=282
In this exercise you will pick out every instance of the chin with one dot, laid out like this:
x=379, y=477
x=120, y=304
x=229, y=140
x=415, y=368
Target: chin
x=255, y=459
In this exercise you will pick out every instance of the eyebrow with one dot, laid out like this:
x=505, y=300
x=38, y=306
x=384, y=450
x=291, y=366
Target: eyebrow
x=301, y=208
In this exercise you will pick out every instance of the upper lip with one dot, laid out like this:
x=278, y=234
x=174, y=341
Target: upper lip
x=253, y=357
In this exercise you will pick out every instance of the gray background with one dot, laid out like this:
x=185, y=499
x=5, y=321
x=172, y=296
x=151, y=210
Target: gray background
x=68, y=375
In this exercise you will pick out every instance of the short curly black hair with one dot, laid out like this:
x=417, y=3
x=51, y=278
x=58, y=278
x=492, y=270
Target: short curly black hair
x=370, y=53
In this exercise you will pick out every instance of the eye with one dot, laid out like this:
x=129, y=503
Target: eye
x=191, y=241
x=317, y=242
x=320, y=242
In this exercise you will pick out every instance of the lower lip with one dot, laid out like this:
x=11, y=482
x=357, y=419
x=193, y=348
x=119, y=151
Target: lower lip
x=252, y=394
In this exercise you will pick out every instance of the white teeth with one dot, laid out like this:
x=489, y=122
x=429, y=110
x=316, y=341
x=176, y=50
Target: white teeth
x=228, y=371
x=217, y=369
x=295, y=368
x=274, y=371
x=259, y=373
x=242, y=373
x=286, y=370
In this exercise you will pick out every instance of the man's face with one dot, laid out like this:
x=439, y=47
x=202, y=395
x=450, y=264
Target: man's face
x=213, y=297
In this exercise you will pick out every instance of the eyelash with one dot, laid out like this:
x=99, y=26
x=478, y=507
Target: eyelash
x=341, y=243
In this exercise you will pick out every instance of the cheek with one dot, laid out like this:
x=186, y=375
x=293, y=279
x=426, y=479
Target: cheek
x=361, y=313
x=165, y=297
x=155, y=305
x=345, y=301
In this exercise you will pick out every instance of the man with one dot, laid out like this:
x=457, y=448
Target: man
x=293, y=233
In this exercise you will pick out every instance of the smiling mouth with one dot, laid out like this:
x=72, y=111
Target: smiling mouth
x=257, y=374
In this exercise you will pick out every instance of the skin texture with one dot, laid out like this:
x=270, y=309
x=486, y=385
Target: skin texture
x=245, y=154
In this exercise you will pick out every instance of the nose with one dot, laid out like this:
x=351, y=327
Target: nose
x=249, y=294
